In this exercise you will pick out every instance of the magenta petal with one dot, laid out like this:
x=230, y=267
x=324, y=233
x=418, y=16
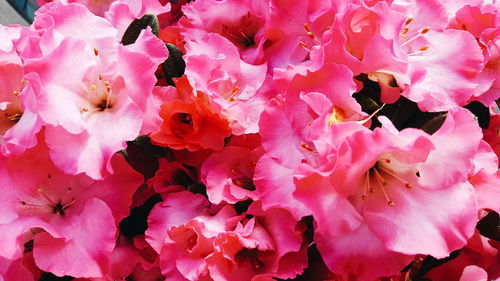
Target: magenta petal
x=87, y=253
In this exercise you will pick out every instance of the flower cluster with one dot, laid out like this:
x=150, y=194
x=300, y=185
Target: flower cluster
x=233, y=140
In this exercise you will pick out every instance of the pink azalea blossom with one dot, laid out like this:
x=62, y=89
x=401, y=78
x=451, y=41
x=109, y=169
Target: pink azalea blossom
x=214, y=67
x=59, y=210
x=94, y=108
x=240, y=22
x=228, y=174
x=19, y=122
x=397, y=182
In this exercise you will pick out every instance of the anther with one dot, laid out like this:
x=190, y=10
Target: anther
x=424, y=48
x=425, y=30
x=304, y=45
x=93, y=87
x=422, y=32
x=390, y=203
x=409, y=20
x=106, y=83
x=306, y=147
x=100, y=76
x=96, y=52
x=85, y=109
x=16, y=93
x=306, y=27
x=391, y=173
x=387, y=161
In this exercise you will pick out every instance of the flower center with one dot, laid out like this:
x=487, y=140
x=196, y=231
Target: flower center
x=251, y=256
x=378, y=177
x=44, y=203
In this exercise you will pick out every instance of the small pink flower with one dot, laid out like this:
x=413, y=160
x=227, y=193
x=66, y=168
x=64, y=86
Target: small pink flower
x=228, y=174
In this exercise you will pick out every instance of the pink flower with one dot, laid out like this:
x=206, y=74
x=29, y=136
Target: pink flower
x=385, y=184
x=65, y=215
x=172, y=176
x=178, y=233
x=213, y=66
x=265, y=246
x=18, y=120
x=290, y=125
x=98, y=102
x=228, y=174
x=240, y=22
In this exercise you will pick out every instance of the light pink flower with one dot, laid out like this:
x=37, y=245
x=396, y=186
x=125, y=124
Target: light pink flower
x=98, y=101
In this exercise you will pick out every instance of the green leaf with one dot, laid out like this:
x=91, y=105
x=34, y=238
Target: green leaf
x=174, y=66
x=134, y=29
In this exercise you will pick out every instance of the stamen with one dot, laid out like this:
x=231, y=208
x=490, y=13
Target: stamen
x=15, y=117
x=233, y=92
x=423, y=31
x=381, y=182
x=361, y=122
x=366, y=186
x=71, y=202
x=306, y=27
x=304, y=45
x=388, y=171
x=420, y=51
x=306, y=147
x=24, y=203
x=244, y=35
x=42, y=193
